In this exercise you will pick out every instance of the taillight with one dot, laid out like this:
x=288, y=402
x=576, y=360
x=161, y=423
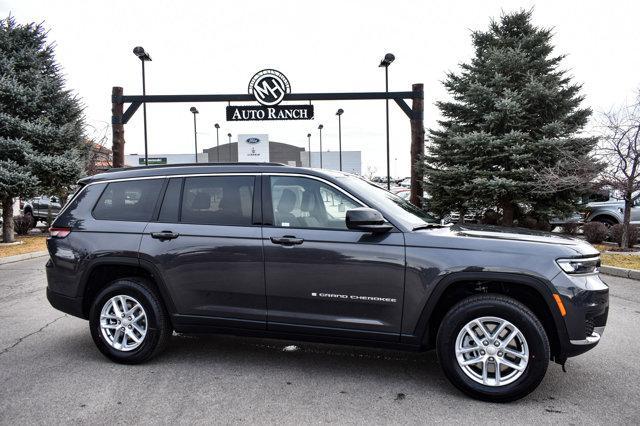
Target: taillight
x=59, y=232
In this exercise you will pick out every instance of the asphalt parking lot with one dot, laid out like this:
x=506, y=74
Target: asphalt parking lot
x=50, y=372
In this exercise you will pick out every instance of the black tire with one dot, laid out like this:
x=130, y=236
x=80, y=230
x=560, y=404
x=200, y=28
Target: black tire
x=32, y=220
x=159, y=328
x=607, y=221
x=505, y=308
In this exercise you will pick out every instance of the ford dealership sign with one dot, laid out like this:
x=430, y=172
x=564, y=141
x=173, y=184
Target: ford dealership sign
x=253, y=148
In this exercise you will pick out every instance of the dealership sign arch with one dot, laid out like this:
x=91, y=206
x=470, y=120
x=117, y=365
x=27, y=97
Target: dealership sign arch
x=269, y=88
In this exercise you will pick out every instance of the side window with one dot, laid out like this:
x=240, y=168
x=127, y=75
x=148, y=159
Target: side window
x=307, y=203
x=131, y=200
x=218, y=200
x=171, y=202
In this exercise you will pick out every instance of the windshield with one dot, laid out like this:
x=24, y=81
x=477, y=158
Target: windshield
x=387, y=201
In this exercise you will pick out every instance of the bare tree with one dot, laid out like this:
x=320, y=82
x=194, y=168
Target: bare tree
x=620, y=148
x=571, y=172
x=99, y=157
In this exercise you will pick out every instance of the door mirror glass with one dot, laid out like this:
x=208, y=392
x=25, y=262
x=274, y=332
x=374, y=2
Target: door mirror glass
x=368, y=220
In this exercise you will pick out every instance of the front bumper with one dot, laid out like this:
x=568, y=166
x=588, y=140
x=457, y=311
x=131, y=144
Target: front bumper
x=586, y=300
x=590, y=340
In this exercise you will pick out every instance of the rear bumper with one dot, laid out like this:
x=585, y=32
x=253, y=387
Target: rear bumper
x=66, y=304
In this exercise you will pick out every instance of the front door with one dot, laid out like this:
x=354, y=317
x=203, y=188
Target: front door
x=206, y=243
x=321, y=277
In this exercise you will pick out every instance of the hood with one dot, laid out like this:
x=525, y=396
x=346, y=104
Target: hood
x=610, y=203
x=499, y=239
x=514, y=234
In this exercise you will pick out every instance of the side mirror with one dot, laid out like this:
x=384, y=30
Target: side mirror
x=367, y=220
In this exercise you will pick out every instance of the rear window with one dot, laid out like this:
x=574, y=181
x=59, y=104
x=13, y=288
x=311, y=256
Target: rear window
x=132, y=200
x=218, y=200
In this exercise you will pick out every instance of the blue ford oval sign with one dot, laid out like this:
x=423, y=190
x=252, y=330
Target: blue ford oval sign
x=253, y=140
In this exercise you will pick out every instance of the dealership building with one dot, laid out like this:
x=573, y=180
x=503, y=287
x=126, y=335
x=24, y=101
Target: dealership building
x=258, y=148
x=135, y=160
x=278, y=153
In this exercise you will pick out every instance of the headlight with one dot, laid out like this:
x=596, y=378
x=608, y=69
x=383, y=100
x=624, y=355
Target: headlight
x=589, y=265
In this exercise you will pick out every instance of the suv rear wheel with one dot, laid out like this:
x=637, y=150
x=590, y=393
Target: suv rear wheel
x=128, y=322
x=493, y=348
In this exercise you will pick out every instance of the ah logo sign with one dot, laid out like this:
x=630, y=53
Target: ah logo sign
x=269, y=87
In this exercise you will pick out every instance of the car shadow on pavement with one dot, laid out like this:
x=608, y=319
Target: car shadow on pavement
x=271, y=367
x=304, y=358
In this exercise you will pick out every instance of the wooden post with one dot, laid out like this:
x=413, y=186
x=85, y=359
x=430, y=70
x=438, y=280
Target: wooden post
x=117, y=109
x=417, y=143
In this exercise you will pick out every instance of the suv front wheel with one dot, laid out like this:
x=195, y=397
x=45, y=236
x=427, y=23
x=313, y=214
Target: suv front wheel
x=128, y=322
x=493, y=348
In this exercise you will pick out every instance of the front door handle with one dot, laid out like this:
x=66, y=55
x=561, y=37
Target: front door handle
x=287, y=240
x=164, y=235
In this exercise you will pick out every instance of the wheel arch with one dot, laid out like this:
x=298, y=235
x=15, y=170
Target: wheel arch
x=598, y=218
x=103, y=271
x=531, y=291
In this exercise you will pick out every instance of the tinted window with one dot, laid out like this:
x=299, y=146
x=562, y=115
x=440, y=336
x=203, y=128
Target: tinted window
x=132, y=200
x=218, y=200
x=171, y=202
x=308, y=203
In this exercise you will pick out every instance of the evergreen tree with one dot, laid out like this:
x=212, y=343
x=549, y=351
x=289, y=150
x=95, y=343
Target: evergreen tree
x=41, y=123
x=513, y=113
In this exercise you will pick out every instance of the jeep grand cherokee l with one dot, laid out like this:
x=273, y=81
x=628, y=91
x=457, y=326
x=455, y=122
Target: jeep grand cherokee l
x=305, y=254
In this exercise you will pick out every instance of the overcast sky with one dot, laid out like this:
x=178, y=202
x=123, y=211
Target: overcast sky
x=211, y=47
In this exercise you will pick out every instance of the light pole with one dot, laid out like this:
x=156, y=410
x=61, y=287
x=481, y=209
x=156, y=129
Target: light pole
x=217, y=126
x=320, y=128
x=229, y=134
x=339, y=114
x=195, y=111
x=309, y=143
x=143, y=56
x=386, y=61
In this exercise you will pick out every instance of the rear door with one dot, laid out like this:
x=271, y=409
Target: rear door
x=206, y=243
x=321, y=277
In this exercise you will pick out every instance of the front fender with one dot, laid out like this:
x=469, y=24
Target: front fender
x=543, y=287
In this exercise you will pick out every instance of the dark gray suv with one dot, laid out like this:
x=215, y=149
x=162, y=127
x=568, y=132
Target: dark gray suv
x=304, y=254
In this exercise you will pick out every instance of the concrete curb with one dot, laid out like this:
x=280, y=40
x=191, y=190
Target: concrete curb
x=620, y=272
x=19, y=257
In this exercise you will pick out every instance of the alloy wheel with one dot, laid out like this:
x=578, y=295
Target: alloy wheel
x=123, y=323
x=492, y=351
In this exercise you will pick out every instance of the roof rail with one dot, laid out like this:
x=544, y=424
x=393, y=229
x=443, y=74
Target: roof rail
x=162, y=166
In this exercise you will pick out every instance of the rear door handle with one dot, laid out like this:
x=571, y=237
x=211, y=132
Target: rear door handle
x=287, y=240
x=164, y=235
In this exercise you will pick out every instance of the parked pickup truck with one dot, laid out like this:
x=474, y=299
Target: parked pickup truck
x=610, y=212
x=40, y=207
